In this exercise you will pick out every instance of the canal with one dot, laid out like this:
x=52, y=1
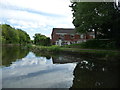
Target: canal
x=22, y=68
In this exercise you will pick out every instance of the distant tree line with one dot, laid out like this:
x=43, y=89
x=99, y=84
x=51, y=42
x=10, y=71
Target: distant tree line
x=11, y=35
x=101, y=17
x=42, y=40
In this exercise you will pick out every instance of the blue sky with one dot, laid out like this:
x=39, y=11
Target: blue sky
x=36, y=16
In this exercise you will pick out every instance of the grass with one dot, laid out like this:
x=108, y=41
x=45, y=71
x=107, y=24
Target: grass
x=95, y=44
x=73, y=46
x=100, y=54
x=46, y=48
x=56, y=49
x=75, y=49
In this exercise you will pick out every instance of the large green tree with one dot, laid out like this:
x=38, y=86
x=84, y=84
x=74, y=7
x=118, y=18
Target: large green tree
x=10, y=34
x=13, y=36
x=24, y=37
x=102, y=17
x=40, y=39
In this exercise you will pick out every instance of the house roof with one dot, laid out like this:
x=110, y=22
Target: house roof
x=68, y=31
x=64, y=30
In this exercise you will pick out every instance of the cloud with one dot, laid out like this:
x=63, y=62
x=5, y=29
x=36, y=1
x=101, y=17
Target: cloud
x=32, y=10
x=36, y=16
x=49, y=6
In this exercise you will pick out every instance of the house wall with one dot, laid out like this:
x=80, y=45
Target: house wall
x=69, y=38
x=89, y=36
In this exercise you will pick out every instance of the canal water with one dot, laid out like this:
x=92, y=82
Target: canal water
x=22, y=68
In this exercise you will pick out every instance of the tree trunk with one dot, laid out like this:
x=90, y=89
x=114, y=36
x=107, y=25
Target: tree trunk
x=95, y=33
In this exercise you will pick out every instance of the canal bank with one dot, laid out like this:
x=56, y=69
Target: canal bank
x=113, y=55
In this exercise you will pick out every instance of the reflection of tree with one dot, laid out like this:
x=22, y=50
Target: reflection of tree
x=39, y=54
x=12, y=53
x=48, y=57
x=97, y=75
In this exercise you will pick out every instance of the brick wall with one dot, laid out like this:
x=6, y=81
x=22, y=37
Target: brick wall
x=56, y=37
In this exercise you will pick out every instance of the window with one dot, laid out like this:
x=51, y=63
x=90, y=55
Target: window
x=72, y=36
x=61, y=36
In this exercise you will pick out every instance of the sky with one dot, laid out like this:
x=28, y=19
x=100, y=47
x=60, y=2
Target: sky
x=36, y=16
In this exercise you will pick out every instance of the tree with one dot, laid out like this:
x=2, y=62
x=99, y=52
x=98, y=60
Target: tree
x=9, y=34
x=13, y=36
x=95, y=16
x=101, y=17
x=41, y=40
x=24, y=37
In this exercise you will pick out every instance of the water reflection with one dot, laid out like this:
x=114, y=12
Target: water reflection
x=38, y=72
x=45, y=70
x=89, y=74
x=12, y=53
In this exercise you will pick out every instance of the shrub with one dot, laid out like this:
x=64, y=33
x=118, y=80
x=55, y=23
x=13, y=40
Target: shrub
x=54, y=48
x=111, y=45
x=101, y=44
x=73, y=46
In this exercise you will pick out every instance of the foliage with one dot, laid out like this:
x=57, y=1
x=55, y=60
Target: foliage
x=98, y=44
x=11, y=35
x=54, y=48
x=41, y=40
x=2, y=39
x=110, y=54
x=94, y=44
x=46, y=48
x=24, y=37
x=101, y=17
x=77, y=45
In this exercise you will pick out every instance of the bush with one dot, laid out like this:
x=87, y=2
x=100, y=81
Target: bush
x=46, y=48
x=98, y=44
x=73, y=46
x=54, y=48
x=111, y=45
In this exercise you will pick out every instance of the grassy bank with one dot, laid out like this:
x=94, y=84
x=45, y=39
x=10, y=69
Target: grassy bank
x=95, y=44
x=104, y=54
x=49, y=49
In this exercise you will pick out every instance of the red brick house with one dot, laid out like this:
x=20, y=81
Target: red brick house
x=67, y=36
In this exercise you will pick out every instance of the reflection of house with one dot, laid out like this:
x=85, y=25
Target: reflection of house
x=67, y=36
